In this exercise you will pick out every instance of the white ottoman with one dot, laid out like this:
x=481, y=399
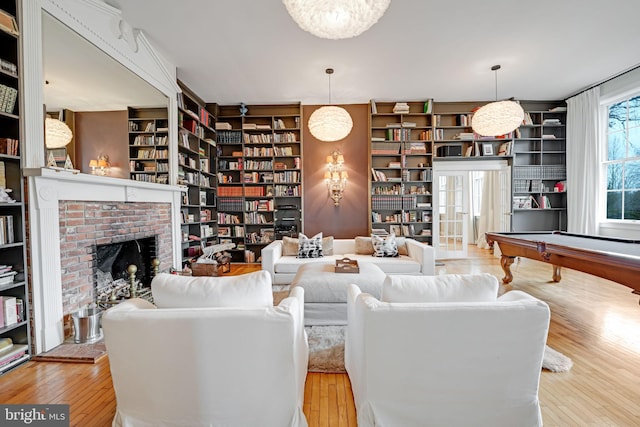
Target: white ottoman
x=325, y=291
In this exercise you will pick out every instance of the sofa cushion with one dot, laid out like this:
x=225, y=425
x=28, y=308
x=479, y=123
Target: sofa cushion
x=310, y=247
x=365, y=247
x=290, y=246
x=246, y=290
x=384, y=247
x=443, y=288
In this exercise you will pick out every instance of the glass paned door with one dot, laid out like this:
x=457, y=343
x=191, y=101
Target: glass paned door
x=452, y=210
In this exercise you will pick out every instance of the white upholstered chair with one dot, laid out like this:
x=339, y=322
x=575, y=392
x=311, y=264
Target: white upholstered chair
x=242, y=365
x=457, y=355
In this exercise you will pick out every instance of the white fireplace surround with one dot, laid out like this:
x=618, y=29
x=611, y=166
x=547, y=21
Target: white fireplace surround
x=48, y=187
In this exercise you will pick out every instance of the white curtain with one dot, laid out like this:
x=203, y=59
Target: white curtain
x=583, y=162
x=491, y=208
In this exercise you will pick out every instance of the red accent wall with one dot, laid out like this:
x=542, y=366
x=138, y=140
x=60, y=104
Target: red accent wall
x=351, y=217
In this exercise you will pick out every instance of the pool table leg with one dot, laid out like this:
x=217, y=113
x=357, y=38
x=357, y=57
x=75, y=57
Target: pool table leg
x=505, y=263
x=556, y=273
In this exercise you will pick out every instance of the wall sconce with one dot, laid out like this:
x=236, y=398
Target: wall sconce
x=336, y=177
x=100, y=166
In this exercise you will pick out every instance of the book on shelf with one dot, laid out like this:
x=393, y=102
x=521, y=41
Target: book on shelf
x=505, y=149
x=374, y=107
x=428, y=106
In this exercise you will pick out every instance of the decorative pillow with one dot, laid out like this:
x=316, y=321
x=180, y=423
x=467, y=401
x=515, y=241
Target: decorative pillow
x=246, y=290
x=442, y=288
x=386, y=247
x=310, y=247
x=364, y=245
x=290, y=246
x=402, y=246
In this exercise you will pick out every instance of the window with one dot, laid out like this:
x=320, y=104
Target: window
x=622, y=163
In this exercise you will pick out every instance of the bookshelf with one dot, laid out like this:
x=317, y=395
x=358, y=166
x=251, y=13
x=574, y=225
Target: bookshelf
x=259, y=176
x=539, y=169
x=401, y=168
x=14, y=292
x=196, y=171
x=148, y=145
x=454, y=139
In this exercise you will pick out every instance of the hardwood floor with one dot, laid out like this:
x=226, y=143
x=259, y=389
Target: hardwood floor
x=594, y=321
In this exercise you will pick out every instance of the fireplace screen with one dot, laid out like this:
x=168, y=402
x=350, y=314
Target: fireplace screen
x=113, y=260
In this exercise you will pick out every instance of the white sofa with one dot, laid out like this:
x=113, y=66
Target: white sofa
x=420, y=259
x=232, y=366
x=451, y=363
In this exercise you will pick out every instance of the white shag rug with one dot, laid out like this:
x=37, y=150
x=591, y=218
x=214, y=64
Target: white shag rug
x=326, y=351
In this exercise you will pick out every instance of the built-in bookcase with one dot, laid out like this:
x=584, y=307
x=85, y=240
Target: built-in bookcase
x=14, y=287
x=149, y=145
x=197, y=172
x=259, y=176
x=539, y=169
x=401, y=168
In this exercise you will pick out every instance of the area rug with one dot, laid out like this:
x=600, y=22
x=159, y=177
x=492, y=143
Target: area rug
x=326, y=352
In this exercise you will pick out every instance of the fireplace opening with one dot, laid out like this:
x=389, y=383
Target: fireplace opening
x=113, y=261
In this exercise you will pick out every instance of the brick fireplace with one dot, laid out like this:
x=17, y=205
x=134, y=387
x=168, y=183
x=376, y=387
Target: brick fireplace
x=69, y=215
x=86, y=224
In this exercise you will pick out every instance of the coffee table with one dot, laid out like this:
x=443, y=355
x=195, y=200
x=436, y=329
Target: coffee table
x=325, y=291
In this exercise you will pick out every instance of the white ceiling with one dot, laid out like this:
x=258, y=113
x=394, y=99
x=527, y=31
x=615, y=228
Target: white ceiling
x=251, y=50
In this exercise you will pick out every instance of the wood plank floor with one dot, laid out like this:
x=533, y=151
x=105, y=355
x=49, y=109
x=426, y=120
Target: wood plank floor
x=594, y=321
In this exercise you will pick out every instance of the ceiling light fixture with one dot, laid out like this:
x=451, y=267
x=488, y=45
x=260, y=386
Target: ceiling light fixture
x=330, y=123
x=499, y=117
x=336, y=19
x=57, y=133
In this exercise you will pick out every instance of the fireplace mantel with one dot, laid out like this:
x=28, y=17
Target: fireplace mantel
x=47, y=187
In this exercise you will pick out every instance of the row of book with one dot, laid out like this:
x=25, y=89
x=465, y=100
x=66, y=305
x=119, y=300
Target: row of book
x=264, y=236
x=264, y=205
x=235, y=231
x=185, y=160
x=7, y=235
x=11, y=310
x=256, y=218
x=9, y=146
x=393, y=202
x=8, y=66
x=291, y=176
x=158, y=179
x=152, y=153
x=228, y=136
x=8, y=97
x=239, y=191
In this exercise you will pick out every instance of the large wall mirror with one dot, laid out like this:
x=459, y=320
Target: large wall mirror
x=90, y=92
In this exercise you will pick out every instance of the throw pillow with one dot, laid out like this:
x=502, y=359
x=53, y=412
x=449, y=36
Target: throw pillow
x=364, y=246
x=386, y=247
x=290, y=246
x=310, y=247
x=442, y=288
x=246, y=290
x=402, y=246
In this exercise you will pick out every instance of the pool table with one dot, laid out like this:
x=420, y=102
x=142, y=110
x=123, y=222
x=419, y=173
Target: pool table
x=610, y=258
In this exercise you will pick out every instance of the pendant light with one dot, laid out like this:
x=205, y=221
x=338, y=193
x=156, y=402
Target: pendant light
x=336, y=19
x=330, y=123
x=57, y=133
x=499, y=117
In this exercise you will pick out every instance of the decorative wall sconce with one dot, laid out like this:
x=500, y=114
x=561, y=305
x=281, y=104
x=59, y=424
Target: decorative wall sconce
x=336, y=177
x=100, y=166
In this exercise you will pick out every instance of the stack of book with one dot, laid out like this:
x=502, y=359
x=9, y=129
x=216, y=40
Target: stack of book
x=11, y=354
x=401, y=108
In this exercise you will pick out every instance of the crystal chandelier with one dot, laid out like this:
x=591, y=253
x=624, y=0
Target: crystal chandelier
x=499, y=117
x=336, y=19
x=330, y=123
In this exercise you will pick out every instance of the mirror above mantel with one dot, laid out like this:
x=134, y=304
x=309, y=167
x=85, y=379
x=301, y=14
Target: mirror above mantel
x=90, y=91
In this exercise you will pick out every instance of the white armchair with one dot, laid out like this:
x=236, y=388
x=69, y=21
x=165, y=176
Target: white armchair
x=231, y=366
x=451, y=363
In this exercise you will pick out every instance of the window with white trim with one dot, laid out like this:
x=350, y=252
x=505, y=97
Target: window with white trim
x=622, y=164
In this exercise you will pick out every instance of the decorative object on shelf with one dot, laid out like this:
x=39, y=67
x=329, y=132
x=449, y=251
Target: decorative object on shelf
x=100, y=166
x=336, y=177
x=243, y=109
x=336, y=19
x=499, y=117
x=330, y=123
x=57, y=133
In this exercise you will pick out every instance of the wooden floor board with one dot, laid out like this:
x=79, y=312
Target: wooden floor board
x=593, y=321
